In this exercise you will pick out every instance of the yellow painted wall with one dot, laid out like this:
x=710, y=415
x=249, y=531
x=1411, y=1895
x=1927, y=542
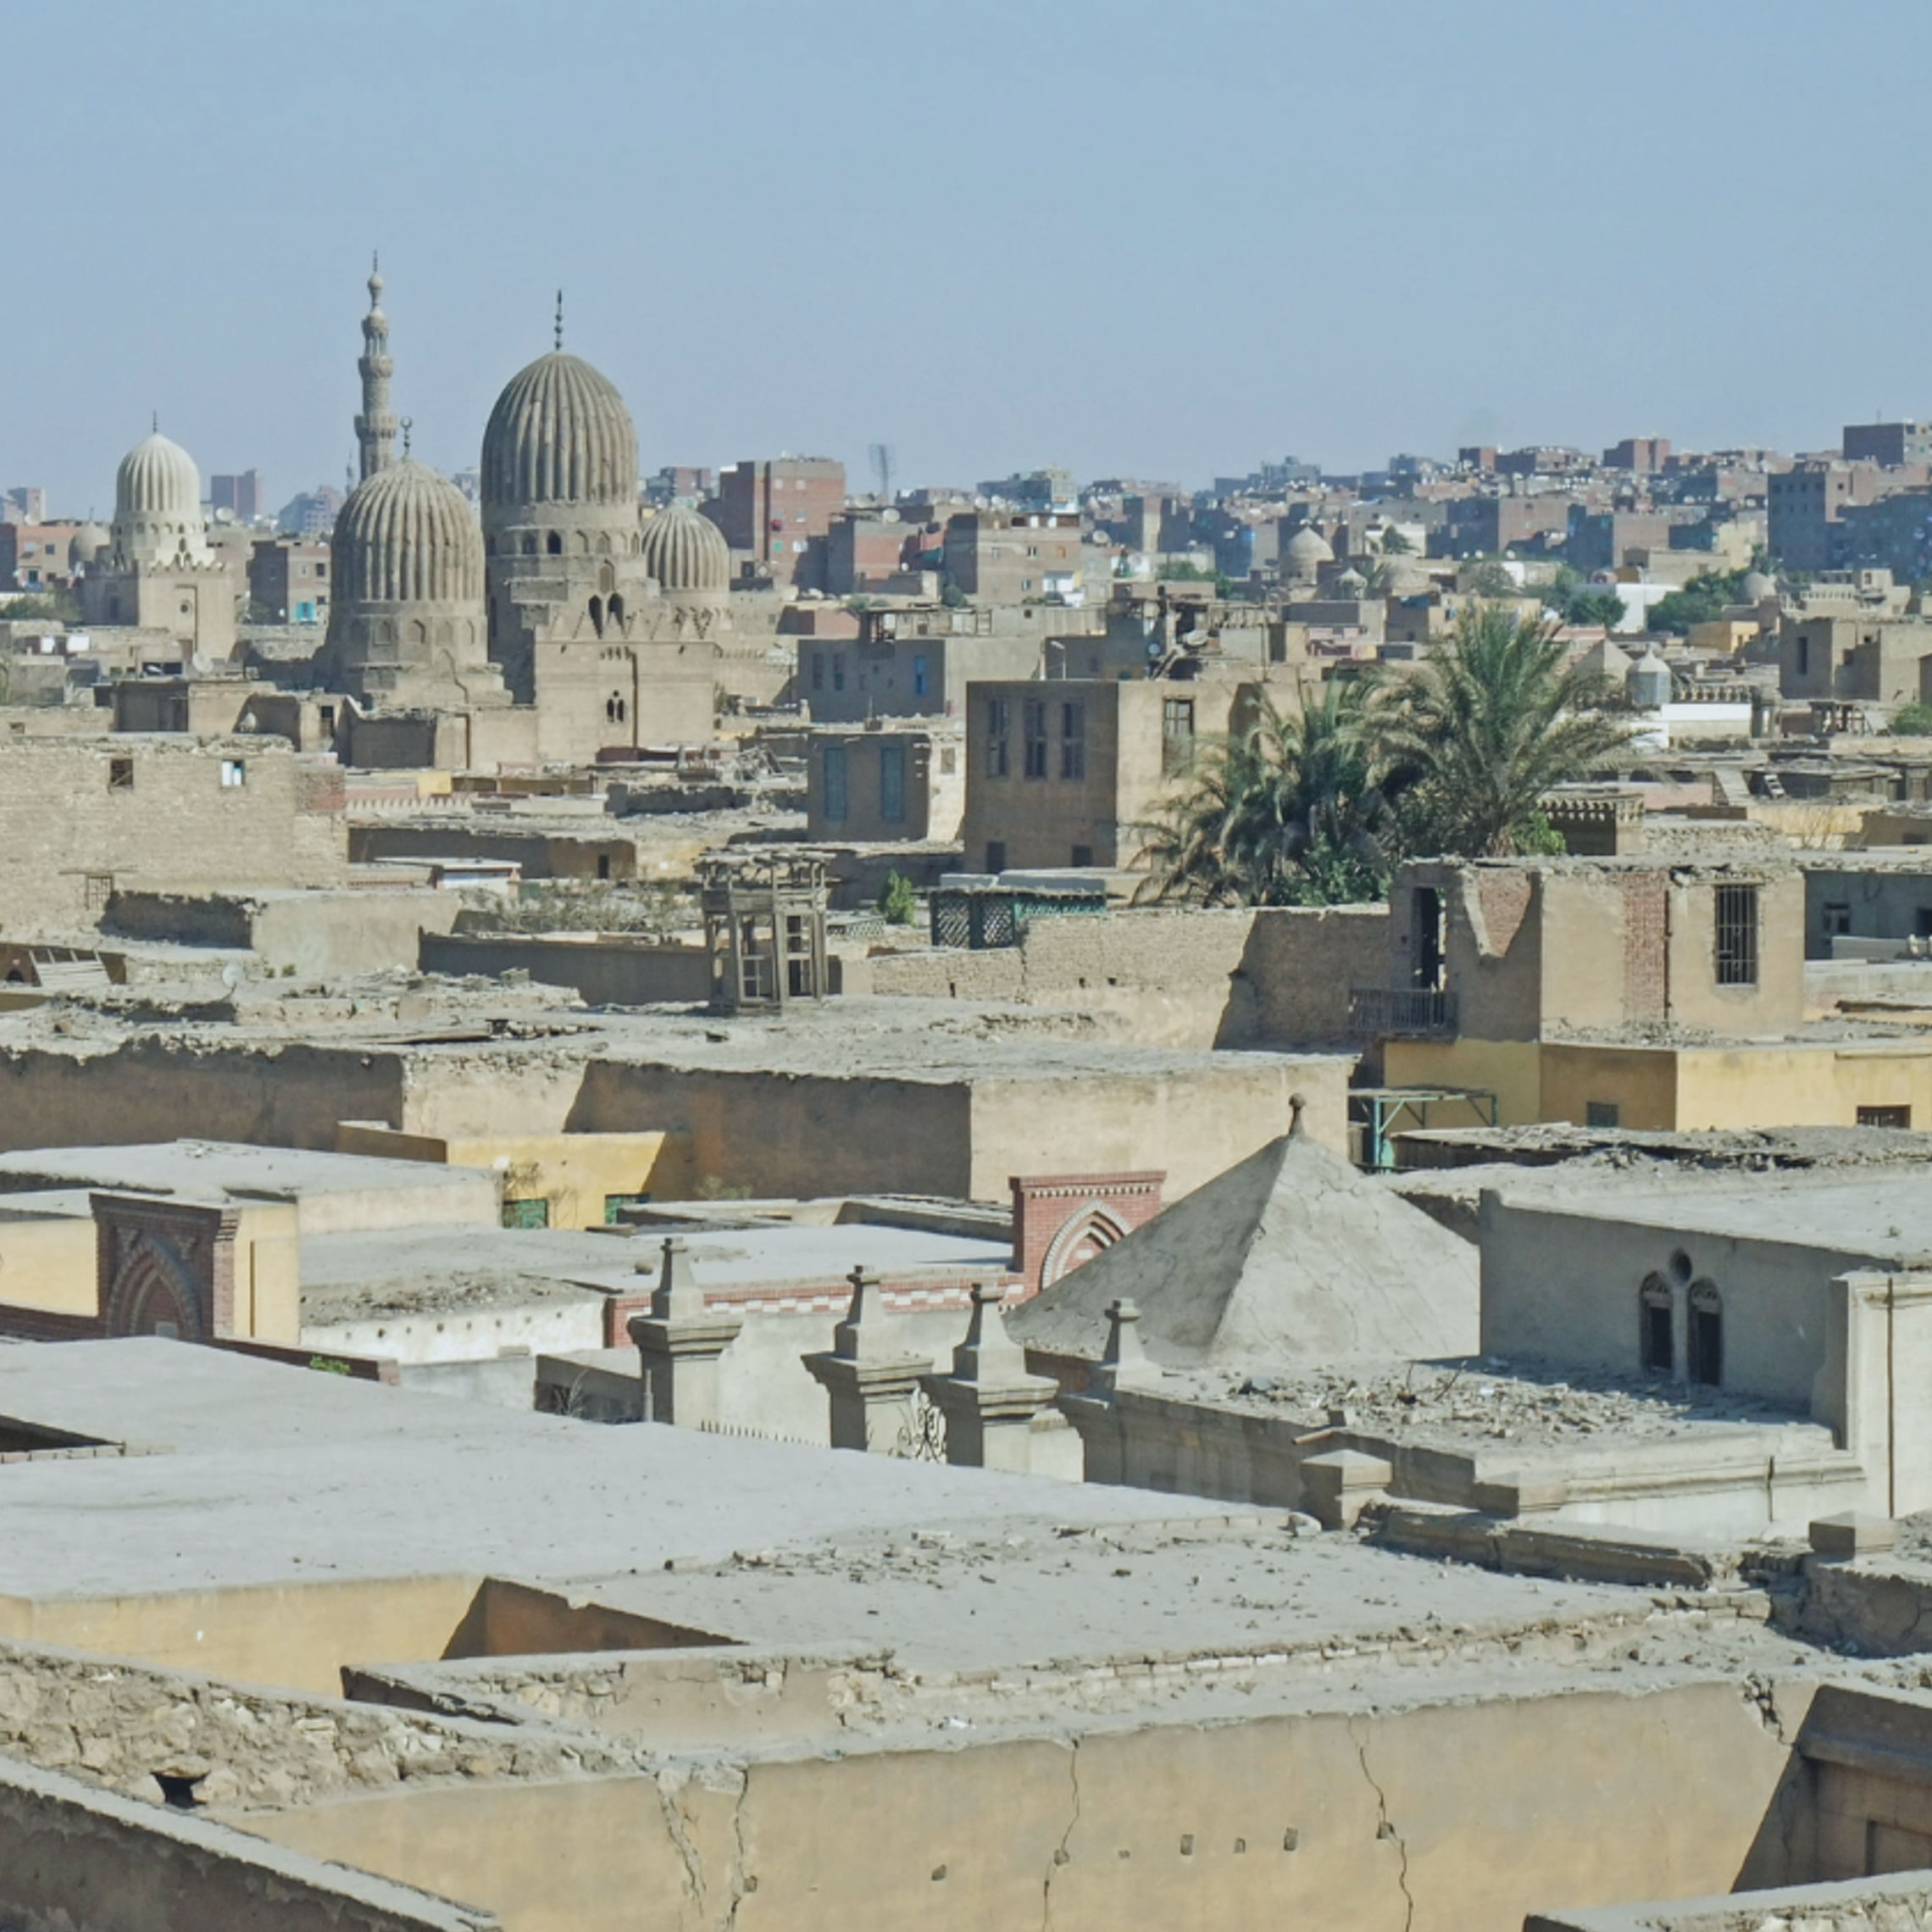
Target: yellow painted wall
x=1640, y=1082
x=1508, y=1068
x=268, y=1273
x=1748, y=1085
x=574, y=1172
x=50, y=1264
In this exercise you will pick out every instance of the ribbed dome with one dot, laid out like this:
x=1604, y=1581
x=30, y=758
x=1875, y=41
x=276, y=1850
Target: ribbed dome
x=1757, y=587
x=559, y=434
x=157, y=482
x=685, y=551
x=87, y=542
x=406, y=535
x=1307, y=545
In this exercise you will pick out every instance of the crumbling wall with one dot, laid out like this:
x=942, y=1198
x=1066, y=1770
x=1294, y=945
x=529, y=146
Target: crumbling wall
x=1338, y=1818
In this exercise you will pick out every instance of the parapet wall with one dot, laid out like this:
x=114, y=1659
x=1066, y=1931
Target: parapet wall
x=76, y=1860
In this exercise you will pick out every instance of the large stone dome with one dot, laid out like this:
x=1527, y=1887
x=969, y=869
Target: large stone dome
x=559, y=434
x=406, y=535
x=685, y=551
x=158, y=513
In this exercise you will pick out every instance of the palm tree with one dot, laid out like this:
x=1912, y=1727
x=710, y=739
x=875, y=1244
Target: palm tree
x=1487, y=725
x=1290, y=812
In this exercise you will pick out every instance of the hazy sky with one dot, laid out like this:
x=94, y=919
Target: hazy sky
x=1168, y=240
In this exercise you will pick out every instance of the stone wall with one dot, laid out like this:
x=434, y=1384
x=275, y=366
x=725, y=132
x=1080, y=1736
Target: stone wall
x=606, y=970
x=1273, y=977
x=162, y=814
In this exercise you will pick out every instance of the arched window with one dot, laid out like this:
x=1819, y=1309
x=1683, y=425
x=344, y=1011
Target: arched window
x=1656, y=1338
x=530, y=545
x=623, y=710
x=489, y=547
x=617, y=609
x=596, y=615
x=610, y=709
x=603, y=544
x=1706, y=1349
x=554, y=544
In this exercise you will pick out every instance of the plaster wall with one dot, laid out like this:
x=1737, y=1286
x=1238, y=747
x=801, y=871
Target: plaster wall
x=317, y=936
x=1339, y=1818
x=49, y=1265
x=1192, y=1126
x=606, y=971
x=575, y=1172
x=1565, y=1288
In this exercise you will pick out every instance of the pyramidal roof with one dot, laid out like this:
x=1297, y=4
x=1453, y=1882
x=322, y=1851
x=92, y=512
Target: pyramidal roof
x=1291, y=1256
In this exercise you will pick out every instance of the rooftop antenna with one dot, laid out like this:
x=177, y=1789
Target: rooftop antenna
x=560, y=332
x=884, y=461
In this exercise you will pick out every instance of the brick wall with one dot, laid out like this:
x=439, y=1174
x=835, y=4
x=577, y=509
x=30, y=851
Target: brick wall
x=1646, y=953
x=1061, y=1220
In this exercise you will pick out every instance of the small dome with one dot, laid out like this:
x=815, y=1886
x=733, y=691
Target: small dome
x=406, y=535
x=157, y=482
x=87, y=543
x=1308, y=547
x=685, y=551
x=559, y=434
x=1351, y=581
x=1757, y=587
x=1648, y=682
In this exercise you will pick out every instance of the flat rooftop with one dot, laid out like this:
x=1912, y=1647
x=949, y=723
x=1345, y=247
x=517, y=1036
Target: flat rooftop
x=205, y=1169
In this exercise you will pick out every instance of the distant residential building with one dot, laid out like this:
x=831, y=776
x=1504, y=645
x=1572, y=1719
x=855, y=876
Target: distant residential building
x=1644, y=455
x=776, y=514
x=680, y=483
x=36, y=556
x=1487, y=526
x=917, y=662
x=313, y=513
x=25, y=504
x=1807, y=504
x=240, y=497
x=1035, y=490
x=1007, y=557
x=1541, y=459
x=1894, y=533
x=1071, y=771
x=1888, y=444
x=1602, y=540
x=901, y=786
x=866, y=551
x=288, y=580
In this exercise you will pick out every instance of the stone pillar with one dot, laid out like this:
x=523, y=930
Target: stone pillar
x=870, y=1384
x=989, y=1401
x=679, y=1344
x=1123, y=1369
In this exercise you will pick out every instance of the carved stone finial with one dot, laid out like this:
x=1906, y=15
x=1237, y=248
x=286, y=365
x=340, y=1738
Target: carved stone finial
x=559, y=329
x=1298, y=1105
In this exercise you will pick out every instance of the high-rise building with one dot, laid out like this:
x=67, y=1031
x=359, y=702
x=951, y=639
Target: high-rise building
x=241, y=496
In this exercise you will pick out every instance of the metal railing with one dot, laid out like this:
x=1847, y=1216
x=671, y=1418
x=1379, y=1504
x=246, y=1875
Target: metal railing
x=1378, y=1012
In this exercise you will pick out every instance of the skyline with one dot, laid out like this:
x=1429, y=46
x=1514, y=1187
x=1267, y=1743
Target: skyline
x=1173, y=248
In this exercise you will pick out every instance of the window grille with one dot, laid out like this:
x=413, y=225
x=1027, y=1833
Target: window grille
x=1737, y=935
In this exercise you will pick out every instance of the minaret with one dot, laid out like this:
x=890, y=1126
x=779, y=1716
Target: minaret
x=375, y=427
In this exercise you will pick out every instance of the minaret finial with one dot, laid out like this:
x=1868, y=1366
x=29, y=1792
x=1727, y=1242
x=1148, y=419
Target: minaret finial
x=154, y=421
x=408, y=425
x=560, y=319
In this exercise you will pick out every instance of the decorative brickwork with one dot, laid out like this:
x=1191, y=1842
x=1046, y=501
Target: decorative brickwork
x=1646, y=947
x=1504, y=893
x=1061, y=1220
x=165, y=1267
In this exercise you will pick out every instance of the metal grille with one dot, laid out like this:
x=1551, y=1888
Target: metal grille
x=1375, y=1012
x=1737, y=935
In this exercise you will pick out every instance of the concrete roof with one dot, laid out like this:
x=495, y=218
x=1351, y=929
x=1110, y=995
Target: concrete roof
x=1885, y=1215
x=205, y=1168
x=265, y=1474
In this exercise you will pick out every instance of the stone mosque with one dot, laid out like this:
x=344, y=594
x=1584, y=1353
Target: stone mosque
x=553, y=605
x=567, y=624
x=157, y=571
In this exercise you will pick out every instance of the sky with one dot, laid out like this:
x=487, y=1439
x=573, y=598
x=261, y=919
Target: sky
x=1163, y=240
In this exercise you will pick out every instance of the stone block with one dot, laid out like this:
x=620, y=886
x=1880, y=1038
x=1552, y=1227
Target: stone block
x=1852, y=1533
x=1337, y=1485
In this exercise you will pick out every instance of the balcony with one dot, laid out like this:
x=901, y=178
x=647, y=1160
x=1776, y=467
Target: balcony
x=1394, y=1012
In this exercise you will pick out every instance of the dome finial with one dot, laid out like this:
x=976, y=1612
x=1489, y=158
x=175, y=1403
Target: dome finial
x=408, y=424
x=154, y=421
x=559, y=329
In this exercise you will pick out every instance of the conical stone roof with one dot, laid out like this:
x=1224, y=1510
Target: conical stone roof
x=1290, y=1258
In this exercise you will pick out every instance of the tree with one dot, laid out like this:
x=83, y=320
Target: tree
x=1487, y=725
x=1290, y=813
x=1395, y=544
x=1490, y=578
x=897, y=902
x=1702, y=601
x=1912, y=721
